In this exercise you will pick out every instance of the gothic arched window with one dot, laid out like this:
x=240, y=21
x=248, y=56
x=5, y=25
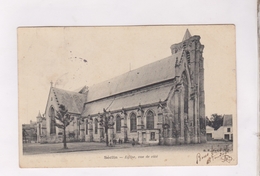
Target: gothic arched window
x=96, y=126
x=186, y=92
x=86, y=127
x=133, y=122
x=188, y=56
x=52, y=119
x=118, y=123
x=40, y=129
x=150, y=120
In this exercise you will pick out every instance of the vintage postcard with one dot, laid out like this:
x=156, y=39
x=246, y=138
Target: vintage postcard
x=122, y=96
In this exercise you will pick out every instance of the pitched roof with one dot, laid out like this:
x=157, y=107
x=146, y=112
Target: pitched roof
x=187, y=35
x=32, y=125
x=152, y=73
x=26, y=126
x=72, y=100
x=155, y=72
x=227, y=120
x=134, y=99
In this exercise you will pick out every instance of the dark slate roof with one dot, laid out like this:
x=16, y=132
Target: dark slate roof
x=32, y=125
x=72, y=100
x=152, y=73
x=155, y=72
x=26, y=126
x=81, y=89
x=116, y=103
x=227, y=120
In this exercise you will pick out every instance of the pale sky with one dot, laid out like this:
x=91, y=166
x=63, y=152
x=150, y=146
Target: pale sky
x=57, y=54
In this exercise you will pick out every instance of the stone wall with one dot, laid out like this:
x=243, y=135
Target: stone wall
x=125, y=134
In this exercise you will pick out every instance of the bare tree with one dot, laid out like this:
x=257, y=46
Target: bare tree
x=25, y=134
x=106, y=121
x=63, y=120
x=216, y=120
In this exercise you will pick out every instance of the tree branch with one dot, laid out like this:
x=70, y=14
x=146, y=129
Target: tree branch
x=59, y=125
x=60, y=120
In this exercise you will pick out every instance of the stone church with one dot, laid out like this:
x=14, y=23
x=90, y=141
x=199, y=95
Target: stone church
x=161, y=103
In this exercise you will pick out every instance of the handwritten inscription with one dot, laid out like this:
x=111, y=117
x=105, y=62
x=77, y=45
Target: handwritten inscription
x=200, y=157
x=214, y=154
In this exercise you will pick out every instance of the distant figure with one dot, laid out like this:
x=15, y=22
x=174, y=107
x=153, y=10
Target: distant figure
x=114, y=141
x=110, y=143
x=133, y=142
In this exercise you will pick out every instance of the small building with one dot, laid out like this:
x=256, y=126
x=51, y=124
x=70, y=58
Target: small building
x=29, y=132
x=210, y=131
x=225, y=132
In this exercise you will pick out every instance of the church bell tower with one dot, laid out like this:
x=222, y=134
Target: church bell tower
x=191, y=50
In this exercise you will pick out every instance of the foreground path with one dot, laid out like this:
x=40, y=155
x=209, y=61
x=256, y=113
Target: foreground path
x=32, y=149
x=36, y=148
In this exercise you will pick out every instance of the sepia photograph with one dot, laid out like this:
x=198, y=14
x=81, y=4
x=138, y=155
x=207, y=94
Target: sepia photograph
x=122, y=96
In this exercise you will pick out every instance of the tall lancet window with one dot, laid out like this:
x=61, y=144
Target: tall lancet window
x=96, y=126
x=40, y=128
x=150, y=120
x=186, y=92
x=87, y=127
x=133, y=122
x=118, y=123
x=52, y=119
